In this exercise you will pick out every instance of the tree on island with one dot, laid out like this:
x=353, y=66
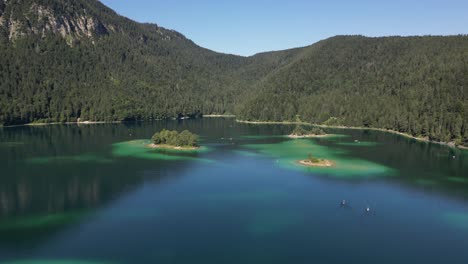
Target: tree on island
x=174, y=138
x=316, y=162
x=300, y=131
x=312, y=159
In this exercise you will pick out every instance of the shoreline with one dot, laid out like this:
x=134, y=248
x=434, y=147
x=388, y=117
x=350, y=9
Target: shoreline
x=68, y=123
x=449, y=144
x=272, y=122
x=422, y=139
x=154, y=146
x=321, y=163
x=103, y=122
x=308, y=136
x=230, y=116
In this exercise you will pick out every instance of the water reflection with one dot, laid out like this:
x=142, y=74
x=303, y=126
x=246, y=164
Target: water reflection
x=54, y=175
x=51, y=170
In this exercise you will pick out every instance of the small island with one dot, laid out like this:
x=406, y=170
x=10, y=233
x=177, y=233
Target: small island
x=315, y=162
x=171, y=139
x=300, y=132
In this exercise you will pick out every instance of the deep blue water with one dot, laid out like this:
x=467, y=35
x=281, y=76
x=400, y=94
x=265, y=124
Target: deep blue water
x=89, y=193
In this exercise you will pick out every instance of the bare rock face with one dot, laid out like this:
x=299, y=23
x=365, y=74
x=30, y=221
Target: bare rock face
x=72, y=20
x=39, y=19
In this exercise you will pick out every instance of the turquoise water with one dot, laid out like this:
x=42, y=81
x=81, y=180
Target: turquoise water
x=97, y=194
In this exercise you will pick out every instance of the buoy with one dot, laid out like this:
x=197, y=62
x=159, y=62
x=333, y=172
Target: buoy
x=367, y=209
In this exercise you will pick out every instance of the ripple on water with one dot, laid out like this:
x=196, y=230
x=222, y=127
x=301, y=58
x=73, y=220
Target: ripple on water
x=287, y=153
x=268, y=223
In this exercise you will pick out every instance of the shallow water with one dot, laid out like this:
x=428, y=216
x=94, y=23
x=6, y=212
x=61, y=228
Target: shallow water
x=96, y=194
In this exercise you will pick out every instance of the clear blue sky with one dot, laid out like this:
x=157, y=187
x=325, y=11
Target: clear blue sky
x=246, y=27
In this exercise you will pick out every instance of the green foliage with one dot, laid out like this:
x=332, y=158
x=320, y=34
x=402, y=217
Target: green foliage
x=333, y=121
x=130, y=71
x=316, y=131
x=173, y=138
x=415, y=85
x=188, y=139
x=312, y=159
x=301, y=131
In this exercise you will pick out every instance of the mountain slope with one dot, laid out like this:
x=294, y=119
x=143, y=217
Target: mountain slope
x=81, y=60
x=63, y=60
x=416, y=85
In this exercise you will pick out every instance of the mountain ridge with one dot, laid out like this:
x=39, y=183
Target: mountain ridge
x=80, y=59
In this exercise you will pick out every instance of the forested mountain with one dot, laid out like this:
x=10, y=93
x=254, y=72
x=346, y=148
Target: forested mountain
x=417, y=85
x=63, y=60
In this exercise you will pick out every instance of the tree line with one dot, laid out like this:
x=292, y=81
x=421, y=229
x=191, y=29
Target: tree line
x=174, y=138
x=416, y=85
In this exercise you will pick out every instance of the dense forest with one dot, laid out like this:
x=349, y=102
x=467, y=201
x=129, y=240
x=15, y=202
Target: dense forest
x=174, y=138
x=63, y=60
x=416, y=85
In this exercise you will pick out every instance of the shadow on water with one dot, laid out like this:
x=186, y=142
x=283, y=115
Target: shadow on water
x=35, y=205
x=57, y=176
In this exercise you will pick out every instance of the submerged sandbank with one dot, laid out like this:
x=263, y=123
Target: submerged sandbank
x=422, y=139
x=320, y=163
x=163, y=146
x=307, y=136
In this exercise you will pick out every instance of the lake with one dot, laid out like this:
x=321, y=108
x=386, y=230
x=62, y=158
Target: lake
x=96, y=194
